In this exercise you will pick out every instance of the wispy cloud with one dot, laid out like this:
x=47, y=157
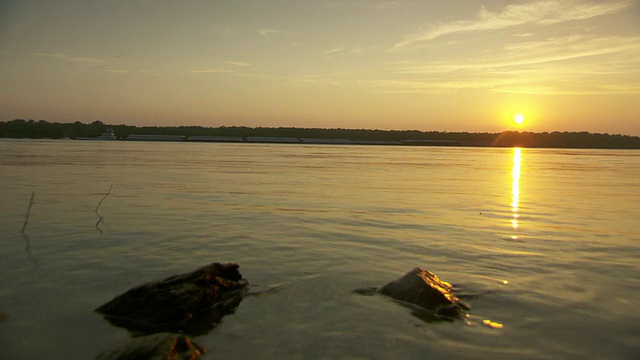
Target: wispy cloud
x=66, y=57
x=523, y=35
x=222, y=70
x=216, y=70
x=101, y=65
x=334, y=50
x=546, y=12
x=238, y=63
x=117, y=71
x=385, y=4
x=300, y=79
x=267, y=31
x=551, y=50
x=561, y=65
x=356, y=50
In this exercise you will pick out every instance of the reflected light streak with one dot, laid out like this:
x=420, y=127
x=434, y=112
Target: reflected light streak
x=493, y=324
x=515, y=186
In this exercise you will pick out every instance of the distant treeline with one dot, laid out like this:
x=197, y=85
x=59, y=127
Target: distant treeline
x=41, y=129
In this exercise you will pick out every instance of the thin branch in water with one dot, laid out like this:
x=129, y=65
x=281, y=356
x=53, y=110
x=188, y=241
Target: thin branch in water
x=27, y=247
x=100, y=217
x=24, y=228
x=105, y=196
x=26, y=219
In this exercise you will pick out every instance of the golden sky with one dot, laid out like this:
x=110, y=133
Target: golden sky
x=566, y=65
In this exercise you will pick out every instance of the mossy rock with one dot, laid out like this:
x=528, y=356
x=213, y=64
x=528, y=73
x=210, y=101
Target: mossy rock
x=430, y=298
x=191, y=303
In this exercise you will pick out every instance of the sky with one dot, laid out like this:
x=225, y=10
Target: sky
x=430, y=65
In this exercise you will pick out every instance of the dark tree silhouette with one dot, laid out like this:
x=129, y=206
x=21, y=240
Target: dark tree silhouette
x=33, y=129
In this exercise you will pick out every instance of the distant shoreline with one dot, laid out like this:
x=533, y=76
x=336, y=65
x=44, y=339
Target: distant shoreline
x=31, y=129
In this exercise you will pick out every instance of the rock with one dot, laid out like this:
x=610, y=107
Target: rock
x=157, y=347
x=191, y=303
x=3, y=315
x=435, y=299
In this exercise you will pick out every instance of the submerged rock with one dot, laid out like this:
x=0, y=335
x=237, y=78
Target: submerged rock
x=3, y=315
x=156, y=347
x=192, y=303
x=435, y=299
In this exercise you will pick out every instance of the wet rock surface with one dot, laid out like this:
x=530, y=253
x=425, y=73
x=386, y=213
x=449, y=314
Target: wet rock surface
x=156, y=347
x=429, y=298
x=191, y=303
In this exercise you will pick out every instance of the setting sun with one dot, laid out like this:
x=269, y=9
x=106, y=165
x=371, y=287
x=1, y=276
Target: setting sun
x=519, y=119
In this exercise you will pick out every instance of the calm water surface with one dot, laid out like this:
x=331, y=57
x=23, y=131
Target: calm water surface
x=552, y=233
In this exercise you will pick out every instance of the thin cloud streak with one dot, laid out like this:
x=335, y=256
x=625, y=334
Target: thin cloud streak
x=70, y=58
x=222, y=70
x=334, y=50
x=212, y=71
x=300, y=79
x=540, y=13
x=575, y=64
x=538, y=85
x=117, y=71
x=267, y=31
x=532, y=53
x=386, y=4
x=238, y=63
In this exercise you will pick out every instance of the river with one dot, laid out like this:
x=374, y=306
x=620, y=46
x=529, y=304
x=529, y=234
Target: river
x=550, y=236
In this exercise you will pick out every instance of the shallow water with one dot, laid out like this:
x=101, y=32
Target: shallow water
x=552, y=233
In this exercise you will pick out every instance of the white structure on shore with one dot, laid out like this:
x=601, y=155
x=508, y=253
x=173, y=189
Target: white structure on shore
x=107, y=135
x=154, y=138
x=199, y=138
x=279, y=140
x=326, y=141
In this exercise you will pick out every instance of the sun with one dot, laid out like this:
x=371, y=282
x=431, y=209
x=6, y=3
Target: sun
x=519, y=119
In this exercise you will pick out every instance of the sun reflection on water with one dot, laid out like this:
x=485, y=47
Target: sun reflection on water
x=515, y=187
x=493, y=324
